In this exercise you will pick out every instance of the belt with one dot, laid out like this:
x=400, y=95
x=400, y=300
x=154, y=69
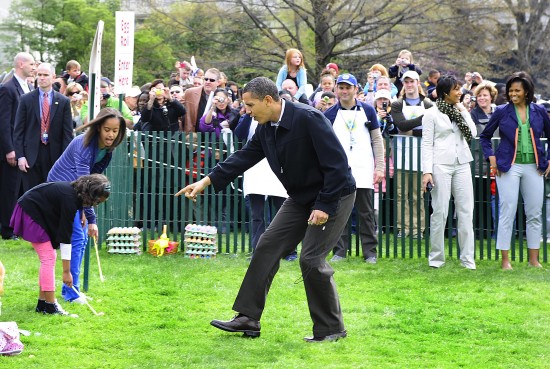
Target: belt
x=348, y=190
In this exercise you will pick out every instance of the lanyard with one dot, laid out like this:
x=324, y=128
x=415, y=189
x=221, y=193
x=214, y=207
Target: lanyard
x=350, y=125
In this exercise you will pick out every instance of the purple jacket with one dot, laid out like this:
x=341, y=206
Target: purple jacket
x=504, y=118
x=231, y=116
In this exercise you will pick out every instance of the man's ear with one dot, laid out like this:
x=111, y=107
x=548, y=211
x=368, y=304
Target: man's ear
x=268, y=99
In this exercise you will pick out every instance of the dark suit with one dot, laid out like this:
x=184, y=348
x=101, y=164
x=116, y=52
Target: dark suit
x=27, y=134
x=9, y=101
x=308, y=159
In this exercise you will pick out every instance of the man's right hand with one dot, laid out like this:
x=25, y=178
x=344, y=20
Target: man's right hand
x=23, y=165
x=191, y=191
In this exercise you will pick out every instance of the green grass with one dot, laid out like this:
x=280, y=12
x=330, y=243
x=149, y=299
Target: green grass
x=399, y=314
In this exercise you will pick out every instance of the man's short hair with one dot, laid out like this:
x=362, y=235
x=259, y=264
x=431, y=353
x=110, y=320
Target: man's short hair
x=261, y=87
x=49, y=67
x=22, y=56
x=72, y=64
x=386, y=78
x=328, y=94
x=214, y=71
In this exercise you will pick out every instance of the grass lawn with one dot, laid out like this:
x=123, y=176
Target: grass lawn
x=399, y=314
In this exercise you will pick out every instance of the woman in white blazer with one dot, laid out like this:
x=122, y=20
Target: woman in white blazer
x=446, y=157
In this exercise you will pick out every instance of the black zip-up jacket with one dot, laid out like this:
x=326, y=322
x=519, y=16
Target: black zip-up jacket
x=52, y=205
x=303, y=152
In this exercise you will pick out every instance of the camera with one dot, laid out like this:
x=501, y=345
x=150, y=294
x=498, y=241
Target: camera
x=473, y=99
x=106, y=96
x=429, y=187
x=385, y=106
x=388, y=126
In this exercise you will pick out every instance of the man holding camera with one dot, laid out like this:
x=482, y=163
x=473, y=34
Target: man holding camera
x=108, y=100
x=407, y=114
x=357, y=128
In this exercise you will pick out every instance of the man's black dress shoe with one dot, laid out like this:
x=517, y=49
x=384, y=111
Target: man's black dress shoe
x=329, y=338
x=240, y=323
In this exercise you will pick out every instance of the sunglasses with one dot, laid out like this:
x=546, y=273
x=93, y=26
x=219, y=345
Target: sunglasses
x=73, y=92
x=210, y=79
x=176, y=92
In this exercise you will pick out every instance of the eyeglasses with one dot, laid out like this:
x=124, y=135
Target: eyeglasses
x=210, y=79
x=176, y=92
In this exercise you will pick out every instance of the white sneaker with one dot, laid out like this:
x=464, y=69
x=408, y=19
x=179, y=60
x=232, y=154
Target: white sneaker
x=337, y=258
x=371, y=260
x=79, y=300
x=86, y=296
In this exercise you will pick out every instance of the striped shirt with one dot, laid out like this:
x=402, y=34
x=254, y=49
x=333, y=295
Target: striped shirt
x=77, y=161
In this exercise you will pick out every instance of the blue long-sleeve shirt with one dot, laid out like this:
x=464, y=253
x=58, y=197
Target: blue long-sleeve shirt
x=301, y=79
x=78, y=160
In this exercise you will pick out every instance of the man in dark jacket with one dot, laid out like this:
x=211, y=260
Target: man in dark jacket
x=10, y=92
x=305, y=154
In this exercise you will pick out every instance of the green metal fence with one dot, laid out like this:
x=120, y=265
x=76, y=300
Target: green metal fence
x=148, y=169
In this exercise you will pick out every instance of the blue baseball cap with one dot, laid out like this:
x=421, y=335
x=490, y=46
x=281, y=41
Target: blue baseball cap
x=347, y=78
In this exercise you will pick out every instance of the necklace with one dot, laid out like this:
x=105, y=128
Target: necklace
x=350, y=125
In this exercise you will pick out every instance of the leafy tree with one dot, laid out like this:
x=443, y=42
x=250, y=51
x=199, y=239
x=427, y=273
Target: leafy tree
x=353, y=33
x=60, y=30
x=32, y=23
x=76, y=32
x=152, y=56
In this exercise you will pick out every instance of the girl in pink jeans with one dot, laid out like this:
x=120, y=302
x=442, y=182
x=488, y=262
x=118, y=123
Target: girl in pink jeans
x=44, y=217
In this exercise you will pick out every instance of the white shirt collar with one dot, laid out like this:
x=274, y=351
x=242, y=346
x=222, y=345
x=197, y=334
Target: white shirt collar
x=283, y=102
x=23, y=83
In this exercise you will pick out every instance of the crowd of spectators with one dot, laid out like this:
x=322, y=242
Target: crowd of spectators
x=194, y=100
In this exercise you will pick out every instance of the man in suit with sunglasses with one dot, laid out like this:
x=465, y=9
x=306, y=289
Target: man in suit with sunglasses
x=198, y=98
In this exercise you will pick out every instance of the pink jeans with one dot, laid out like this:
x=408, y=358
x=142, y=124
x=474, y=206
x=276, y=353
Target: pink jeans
x=47, y=256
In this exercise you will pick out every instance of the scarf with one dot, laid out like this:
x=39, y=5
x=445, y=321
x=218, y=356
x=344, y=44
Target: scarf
x=455, y=116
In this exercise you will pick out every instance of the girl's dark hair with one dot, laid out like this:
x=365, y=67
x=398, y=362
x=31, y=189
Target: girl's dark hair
x=221, y=90
x=444, y=85
x=526, y=82
x=156, y=82
x=464, y=93
x=224, y=91
x=328, y=94
x=95, y=125
x=92, y=188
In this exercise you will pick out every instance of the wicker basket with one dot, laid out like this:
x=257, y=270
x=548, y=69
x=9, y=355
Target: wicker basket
x=171, y=249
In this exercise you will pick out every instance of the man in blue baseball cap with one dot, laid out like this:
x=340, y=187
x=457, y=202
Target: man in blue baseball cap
x=358, y=130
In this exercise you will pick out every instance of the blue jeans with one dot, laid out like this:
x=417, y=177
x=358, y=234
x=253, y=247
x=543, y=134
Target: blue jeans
x=79, y=239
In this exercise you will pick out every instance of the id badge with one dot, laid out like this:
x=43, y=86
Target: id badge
x=45, y=137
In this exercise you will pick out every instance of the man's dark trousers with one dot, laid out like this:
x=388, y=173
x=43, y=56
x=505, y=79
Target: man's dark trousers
x=287, y=229
x=364, y=205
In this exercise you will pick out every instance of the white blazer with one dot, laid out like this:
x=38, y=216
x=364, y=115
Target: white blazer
x=442, y=141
